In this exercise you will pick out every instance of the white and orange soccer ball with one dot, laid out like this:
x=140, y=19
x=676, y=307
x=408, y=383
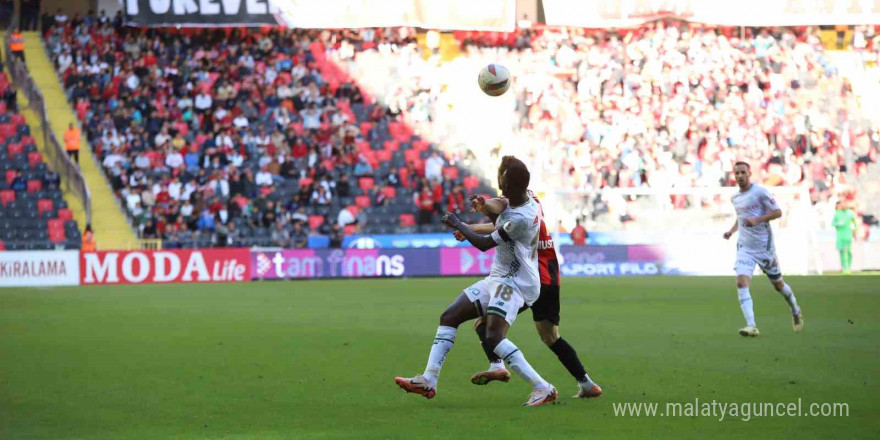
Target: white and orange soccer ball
x=494, y=80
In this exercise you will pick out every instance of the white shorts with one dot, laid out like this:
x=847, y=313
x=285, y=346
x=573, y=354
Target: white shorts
x=493, y=296
x=746, y=260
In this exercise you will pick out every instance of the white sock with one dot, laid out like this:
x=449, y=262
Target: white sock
x=587, y=383
x=510, y=354
x=745, y=303
x=443, y=342
x=498, y=365
x=788, y=294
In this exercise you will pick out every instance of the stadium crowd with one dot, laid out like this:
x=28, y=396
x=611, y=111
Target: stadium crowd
x=248, y=137
x=665, y=105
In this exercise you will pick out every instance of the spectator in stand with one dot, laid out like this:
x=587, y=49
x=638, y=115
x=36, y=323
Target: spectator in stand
x=280, y=235
x=363, y=168
x=456, y=201
x=579, y=235
x=18, y=183
x=337, y=235
x=425, y=203
x=434, y=167
x=300, y=237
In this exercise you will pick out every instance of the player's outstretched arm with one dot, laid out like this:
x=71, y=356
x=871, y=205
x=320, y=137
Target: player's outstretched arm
x=479, y=241
x=491, y=208
x=481, y=228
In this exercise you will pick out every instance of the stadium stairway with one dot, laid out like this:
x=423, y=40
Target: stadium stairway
x=112, y=230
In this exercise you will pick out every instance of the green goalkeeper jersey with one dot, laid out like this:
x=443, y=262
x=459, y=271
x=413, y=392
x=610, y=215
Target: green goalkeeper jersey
x=845, y=223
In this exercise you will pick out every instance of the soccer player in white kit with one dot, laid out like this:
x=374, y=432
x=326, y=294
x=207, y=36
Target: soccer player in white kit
x=755, y=208
x=513, y=282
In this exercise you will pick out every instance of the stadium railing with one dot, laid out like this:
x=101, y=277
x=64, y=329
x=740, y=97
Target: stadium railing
x=71, y=177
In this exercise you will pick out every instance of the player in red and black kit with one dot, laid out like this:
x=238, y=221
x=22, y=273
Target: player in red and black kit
x=545, y=311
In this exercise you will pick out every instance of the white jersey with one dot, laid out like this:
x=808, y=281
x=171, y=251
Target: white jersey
x=754, y=202
x=516, y=258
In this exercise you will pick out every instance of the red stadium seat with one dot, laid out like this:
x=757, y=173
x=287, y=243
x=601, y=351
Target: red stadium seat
x=7, y=130
x=34, y=158
x=44, y=205
x=2, y=245
x=403, y=174
x=450, y=173
x=18, y=119
x=389, y=192
x=354, y=210
x=366, y=183
x=350, y=229
x=56, y=225
x=34, y=185
x=14, y=148
x=6, y=196
x=65, y=214
x=10, y=176
x=471, y=182
x=391, y=145
x=407, y=220
x=306, y=181
x=315, y=221
x=366, y=127
x=362, y=201
x=57, y=235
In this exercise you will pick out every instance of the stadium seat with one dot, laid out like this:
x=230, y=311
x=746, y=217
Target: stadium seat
x=389, y=192
x=350, y=229
x=362, y=201
x=6, y=196
x=44, y=205
x=315, y=222
x=366, y=183
x=34, y=185
x=407, y=220
x=65, y=215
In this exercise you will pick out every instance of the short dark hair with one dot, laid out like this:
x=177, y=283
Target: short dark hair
x=517, y=175
x=745, y=164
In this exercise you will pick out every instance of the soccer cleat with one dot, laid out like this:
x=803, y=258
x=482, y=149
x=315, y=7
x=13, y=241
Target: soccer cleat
x=588, y=393
x=797, y=321
x=540, y=397
x=749, y=331
x=418, y=385
x=484, y=377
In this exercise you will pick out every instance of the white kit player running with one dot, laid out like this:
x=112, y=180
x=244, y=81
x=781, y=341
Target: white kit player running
x=755, y=208
x=512, y=283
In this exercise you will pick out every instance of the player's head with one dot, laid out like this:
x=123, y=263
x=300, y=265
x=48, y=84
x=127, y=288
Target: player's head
x=513, y=177
x=743, y=173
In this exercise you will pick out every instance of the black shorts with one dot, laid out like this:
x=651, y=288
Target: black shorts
x=546, y=308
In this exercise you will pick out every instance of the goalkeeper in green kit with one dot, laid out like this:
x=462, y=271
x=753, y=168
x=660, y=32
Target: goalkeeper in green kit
x=846, y=225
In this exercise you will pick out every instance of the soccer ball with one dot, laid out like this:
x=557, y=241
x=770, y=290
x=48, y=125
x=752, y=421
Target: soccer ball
x=494, y=80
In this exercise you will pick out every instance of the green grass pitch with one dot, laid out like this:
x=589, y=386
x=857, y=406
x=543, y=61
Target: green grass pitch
x=316, y=360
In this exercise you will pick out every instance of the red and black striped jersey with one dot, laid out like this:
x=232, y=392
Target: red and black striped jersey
x=548, y=265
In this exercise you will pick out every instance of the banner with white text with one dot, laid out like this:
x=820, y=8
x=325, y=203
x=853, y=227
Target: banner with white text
x=165, y=266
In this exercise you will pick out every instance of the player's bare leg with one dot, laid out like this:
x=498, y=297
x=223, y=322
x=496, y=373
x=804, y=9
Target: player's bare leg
x=425, y=384
x=549, y=333
x=496, y=338
x=745, y=303
x=797, y=317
